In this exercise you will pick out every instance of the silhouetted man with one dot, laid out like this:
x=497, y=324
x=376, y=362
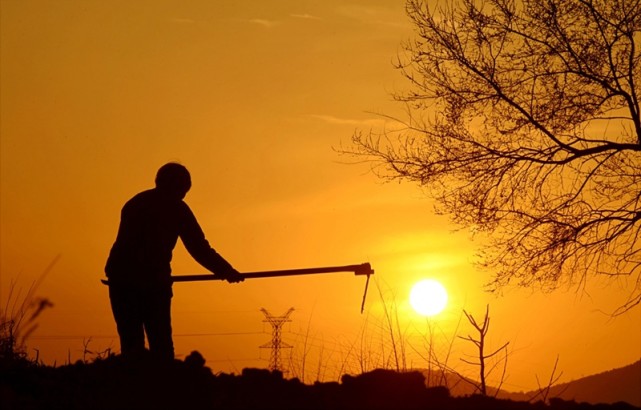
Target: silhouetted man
x=139, y=268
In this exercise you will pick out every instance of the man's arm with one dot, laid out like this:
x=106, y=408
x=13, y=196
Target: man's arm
x=199, y=248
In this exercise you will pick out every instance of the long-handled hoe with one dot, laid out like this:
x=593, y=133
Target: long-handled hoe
x=362, y=269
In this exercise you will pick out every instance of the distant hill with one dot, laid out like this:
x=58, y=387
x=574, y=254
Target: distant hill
x=622, y=384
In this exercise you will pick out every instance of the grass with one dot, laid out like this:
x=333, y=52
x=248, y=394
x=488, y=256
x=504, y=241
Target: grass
x=19, y=318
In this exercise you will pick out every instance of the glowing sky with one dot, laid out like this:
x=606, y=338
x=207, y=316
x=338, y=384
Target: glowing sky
x=253, y=97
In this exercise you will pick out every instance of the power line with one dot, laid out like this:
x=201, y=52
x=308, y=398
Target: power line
x=70, y=337
x=77, y=337
x=218, y=334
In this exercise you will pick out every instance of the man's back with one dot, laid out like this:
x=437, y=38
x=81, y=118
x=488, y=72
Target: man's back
x=149, y=228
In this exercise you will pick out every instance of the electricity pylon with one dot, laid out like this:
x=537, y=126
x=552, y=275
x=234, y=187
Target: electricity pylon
x=276, y=344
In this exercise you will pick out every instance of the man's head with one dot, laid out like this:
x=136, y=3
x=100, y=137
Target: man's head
x=173, y=179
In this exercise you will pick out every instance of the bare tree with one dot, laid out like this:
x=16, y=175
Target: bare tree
x=523, y=123
x=480, y=343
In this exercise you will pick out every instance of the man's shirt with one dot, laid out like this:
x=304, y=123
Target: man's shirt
x=150, y=225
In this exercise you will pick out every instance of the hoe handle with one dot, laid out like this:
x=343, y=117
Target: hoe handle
x=362, y=269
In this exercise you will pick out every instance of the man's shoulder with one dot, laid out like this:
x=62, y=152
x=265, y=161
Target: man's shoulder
x=144, y=196
x=153, y=198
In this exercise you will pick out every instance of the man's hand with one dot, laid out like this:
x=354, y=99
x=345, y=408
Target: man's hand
x=233, y=276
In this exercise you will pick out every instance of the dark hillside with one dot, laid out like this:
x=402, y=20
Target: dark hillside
x=622, y=384
x=112, y=384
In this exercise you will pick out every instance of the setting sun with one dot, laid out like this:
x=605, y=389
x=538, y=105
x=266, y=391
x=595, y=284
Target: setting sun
x=428, y=297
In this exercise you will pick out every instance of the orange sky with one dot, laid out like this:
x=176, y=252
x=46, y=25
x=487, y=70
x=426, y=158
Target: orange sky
x=252, y=97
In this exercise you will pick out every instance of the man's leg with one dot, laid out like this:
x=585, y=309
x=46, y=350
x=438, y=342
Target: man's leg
x=126, y=308
x=158, y=324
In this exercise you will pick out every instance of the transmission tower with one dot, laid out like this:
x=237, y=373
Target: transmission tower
x=276, y=344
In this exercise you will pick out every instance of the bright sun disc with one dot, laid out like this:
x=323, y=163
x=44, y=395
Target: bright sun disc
x=428, y=297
